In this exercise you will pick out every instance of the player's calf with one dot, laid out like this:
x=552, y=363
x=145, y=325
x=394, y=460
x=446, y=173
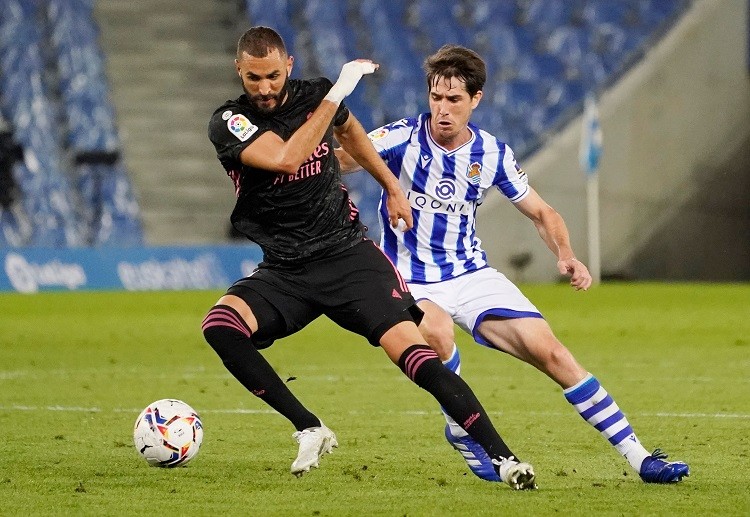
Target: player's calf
x=423, y=367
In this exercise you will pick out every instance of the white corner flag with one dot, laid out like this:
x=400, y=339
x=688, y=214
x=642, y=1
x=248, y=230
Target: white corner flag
x=589, y=155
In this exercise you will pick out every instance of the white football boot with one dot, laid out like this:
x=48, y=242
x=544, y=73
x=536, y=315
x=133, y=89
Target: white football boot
x=520, y=476
x=313, y=443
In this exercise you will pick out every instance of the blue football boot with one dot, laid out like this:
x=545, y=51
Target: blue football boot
x=474, y=455
x=655, y=470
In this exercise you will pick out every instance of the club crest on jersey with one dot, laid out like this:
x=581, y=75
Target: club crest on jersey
x=474, y=173
x=241, y=127
x=377, y=134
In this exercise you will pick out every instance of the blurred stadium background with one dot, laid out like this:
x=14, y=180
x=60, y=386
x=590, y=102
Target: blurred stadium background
x=104, y=107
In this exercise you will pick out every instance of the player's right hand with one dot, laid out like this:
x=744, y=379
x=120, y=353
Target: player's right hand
x=580, y=278
x=399, y=210
x=350, y=75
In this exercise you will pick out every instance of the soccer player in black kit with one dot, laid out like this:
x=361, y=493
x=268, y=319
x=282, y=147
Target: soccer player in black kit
x=276, y=144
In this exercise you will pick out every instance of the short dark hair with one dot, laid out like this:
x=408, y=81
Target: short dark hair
x=456, y=61
x=260, y=41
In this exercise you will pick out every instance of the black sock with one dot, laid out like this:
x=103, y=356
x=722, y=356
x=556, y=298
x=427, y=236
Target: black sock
x=229, y=336
x=422, y=366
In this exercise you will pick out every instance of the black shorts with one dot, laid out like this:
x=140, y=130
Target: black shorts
x=359, y=289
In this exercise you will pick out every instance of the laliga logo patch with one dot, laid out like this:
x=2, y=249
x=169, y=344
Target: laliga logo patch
x=445, y=189
x=474, y=173
x=241, y=127
x=377, y=134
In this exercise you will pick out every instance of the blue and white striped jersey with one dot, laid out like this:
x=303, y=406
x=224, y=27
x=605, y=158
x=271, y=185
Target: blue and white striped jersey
x=444, y=189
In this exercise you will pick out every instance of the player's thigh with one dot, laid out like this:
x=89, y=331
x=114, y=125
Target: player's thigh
x=525, y=338
x=277, y=312
x=486, y=293
x=437, y=328
x=532, y=341
x=361, y=292
x=398, y=338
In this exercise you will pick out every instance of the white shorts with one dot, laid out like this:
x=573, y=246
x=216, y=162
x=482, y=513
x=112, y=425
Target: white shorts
x=472, y=296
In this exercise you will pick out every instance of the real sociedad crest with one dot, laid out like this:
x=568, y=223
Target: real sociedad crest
x=474, y=173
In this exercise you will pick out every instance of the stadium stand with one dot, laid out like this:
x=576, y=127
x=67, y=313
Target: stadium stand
x=543, y=56
x=73, y=189
x=26, y=103
x=109, y=213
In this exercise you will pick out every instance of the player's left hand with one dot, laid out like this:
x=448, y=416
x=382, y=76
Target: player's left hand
x=350, y=75
x=399, y=209
x=580, y=278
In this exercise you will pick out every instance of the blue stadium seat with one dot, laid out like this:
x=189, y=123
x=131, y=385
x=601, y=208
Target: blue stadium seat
x=81, y=70
x=526, y=39
x=484, y=115
x=335, y=45
x=26, y=102
x=545, y=15
x=570, y=44
x=505, y=13
x=276, y=14
x=652, y=13
x=92, y=133
x=83, y=114
x=435, y=21
x=616, y=13
x=549, y=66
x=502, y=48
x=112, y=211
x=543, y=55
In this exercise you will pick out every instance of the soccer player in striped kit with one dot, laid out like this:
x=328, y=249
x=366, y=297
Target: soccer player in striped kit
x=446, y=166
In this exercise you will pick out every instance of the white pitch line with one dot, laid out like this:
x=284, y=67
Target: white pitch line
x=243, y=411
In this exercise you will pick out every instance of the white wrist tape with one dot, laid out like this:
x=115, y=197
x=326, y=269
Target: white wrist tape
x=350, y=75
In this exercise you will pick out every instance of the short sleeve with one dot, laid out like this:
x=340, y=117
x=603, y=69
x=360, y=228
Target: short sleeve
x=510, y=178
x=231, y=131
x=392, y=137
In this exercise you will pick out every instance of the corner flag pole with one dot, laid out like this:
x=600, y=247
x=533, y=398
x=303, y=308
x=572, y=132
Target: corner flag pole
x=589, y=155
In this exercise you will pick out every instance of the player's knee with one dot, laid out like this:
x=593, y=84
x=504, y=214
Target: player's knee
x=440, y=335
x=224, y=329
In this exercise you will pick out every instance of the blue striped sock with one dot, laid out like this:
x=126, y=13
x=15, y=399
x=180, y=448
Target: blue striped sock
x=454, y=361
x=599, y=409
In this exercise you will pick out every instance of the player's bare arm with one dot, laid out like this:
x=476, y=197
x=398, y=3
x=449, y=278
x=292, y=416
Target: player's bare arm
x=271, y=152
x=553, y=231
x=347, y=164
x=358, y=152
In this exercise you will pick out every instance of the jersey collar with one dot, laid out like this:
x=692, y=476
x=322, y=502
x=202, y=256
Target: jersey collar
x=426, y=124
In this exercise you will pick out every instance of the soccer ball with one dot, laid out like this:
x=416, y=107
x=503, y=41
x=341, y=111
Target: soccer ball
x=168, y=433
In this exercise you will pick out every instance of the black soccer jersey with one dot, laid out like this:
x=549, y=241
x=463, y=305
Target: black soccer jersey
x=294, y=218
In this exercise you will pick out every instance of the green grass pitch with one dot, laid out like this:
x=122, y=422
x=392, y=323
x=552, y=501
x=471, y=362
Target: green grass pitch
x=76, y=368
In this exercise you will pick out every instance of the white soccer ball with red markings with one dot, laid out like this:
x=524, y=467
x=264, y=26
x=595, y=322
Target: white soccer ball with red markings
x=168, y=433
